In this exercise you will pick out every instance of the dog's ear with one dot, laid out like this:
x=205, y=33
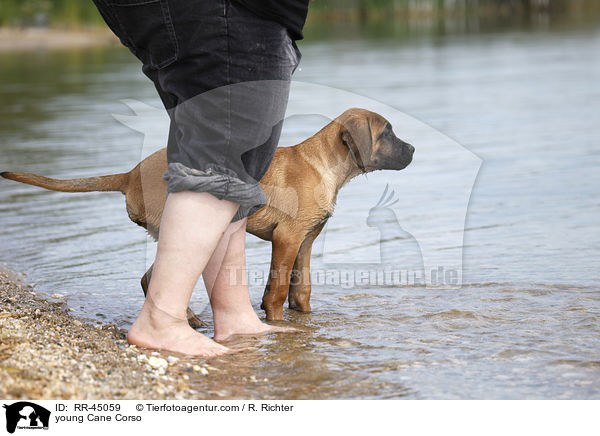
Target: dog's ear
x=356, y=135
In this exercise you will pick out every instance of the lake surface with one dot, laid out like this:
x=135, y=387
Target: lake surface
x=505, y=123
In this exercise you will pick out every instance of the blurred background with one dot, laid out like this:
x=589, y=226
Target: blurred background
x=516, y=82
x=376, y=17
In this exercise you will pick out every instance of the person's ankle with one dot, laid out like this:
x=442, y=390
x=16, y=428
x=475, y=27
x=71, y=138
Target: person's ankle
x=157, y=315
x=225, y=316
x=150, y=319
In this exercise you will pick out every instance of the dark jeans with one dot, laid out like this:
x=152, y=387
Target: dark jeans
x=223, y=73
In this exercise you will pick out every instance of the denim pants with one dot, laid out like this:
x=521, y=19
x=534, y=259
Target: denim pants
x=223, y=74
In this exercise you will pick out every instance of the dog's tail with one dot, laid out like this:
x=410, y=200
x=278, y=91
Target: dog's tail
x=115, y=182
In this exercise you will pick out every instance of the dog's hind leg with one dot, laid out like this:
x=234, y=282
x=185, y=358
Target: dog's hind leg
x=193, y=319
x=300, y=288
x=145, y=282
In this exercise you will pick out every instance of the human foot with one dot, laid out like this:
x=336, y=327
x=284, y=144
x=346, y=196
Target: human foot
x=157, y=330
x=227, y=326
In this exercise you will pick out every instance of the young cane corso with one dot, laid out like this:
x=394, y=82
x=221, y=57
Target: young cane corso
x=301, y=186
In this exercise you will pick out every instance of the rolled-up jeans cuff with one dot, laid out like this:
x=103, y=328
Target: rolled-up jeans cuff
x=220, y=182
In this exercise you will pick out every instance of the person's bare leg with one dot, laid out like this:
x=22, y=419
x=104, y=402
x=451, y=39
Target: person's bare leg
x=227, y=287
x=191, y=227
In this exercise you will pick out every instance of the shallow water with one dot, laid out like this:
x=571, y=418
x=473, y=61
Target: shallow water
x=524, y=324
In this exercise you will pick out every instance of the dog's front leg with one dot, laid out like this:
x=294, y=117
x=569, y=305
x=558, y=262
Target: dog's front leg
x=285, y=251
x=193, y=319
x=300, y=288
x=299, y=293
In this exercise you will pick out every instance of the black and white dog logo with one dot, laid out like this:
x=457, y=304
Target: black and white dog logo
x=26, y=415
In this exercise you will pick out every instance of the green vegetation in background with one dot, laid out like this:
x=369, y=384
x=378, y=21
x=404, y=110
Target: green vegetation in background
x=49, y=13
x=83, y=13
x=364, y=9
x=353, y=19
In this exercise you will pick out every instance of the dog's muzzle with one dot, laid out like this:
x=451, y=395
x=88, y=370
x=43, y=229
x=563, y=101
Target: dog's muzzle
x=407, y=153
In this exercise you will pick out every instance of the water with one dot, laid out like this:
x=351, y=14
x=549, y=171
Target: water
x=525, y=323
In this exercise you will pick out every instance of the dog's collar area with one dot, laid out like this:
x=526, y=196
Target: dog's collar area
x=361, y=167
x=358, y=159
x=355, y=155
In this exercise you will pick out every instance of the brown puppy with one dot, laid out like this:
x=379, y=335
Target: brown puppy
x=301, y=186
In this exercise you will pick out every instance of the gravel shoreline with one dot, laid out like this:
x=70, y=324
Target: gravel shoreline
x=46, y=353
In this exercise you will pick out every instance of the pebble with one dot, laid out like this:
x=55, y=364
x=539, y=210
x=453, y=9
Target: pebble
x=157, y=362
x=200, y=369
x=172, y=359
x=58, y=296
x=142, y=358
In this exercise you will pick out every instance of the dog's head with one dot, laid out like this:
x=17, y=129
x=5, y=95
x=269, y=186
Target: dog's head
x=372, y=142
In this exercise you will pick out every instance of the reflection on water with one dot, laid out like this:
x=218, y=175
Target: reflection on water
x=487, y=340
x=525, y=324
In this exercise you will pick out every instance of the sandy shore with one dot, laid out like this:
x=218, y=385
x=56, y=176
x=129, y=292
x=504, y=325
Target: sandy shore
x=49, y=39
x=46, y=353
